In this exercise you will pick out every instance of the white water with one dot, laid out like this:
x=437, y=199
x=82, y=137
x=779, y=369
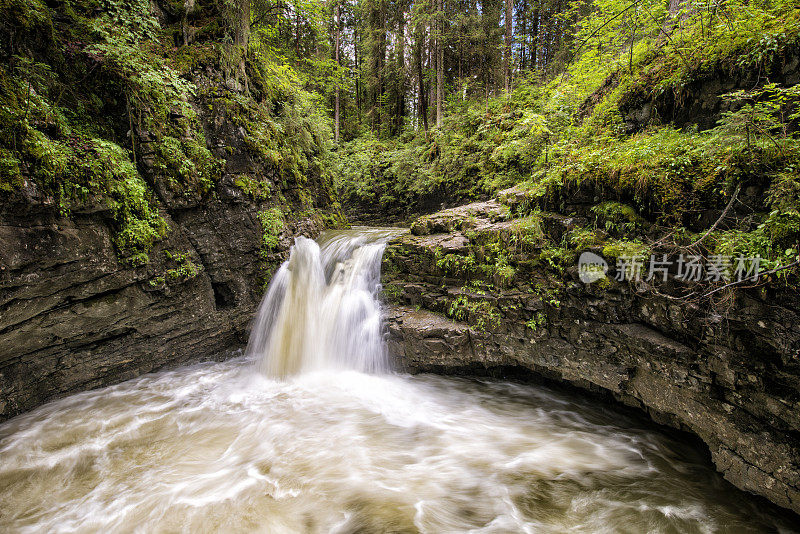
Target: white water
x=322, y=310
x=219, y=447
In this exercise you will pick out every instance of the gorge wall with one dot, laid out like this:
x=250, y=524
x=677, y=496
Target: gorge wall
x=147, y=190
x=73, y=316
x=729, y=374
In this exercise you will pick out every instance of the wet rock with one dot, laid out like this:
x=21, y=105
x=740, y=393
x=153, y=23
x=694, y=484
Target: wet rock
x=467, y=217
x=75, y=316
x=734, y=381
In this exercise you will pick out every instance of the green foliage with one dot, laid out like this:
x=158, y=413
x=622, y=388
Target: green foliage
x=255, y=189
x=775, y=240
x=620, y=248
x=90, y=102
x=537, y=321
x=477, y=151
x=271, y=227
x=558, y=258
x=455, y=264
x=530, y=233
x=549, y=294
x=784, y=191
x=763, y=113
x=126, y=20
x=503, y=271
x=10, y=175
x=293, y=135
x=568, y=134
x=393, y=292
x=582, y=238
x=496, y=264
x=184, y=269
x=79, y=168
x=481, y=313
x=617, y=217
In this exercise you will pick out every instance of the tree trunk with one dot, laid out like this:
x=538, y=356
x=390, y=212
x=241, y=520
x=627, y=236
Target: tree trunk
x=356, y=48
x=672, y=18
x=298, y=23
x=431, y=58
x=423, y=105
x=439, y=64
x=336, y=98
x=507, y=55
x=238, y=16
x=188, y=7
x=401, y=71
x=242, y=34
x=523, y=32
x=381, y=66
x=534, y=38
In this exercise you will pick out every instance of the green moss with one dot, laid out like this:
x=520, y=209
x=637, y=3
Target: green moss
x=10, y=176
x=257, y=190
x=617, y=217
x=105, y=92
x=623, y=248
x=582, y=238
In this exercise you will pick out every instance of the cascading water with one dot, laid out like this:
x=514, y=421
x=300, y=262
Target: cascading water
x=322, y=308
x=218, y=447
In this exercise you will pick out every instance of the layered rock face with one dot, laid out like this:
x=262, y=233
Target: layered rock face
x=729, y=373
x=149, y=185
x=75, y=316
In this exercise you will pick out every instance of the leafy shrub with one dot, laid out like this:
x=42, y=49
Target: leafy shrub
x=271, y=227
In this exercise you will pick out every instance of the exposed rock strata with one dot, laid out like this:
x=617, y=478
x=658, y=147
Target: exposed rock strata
x=75, y=316
x=735, y=383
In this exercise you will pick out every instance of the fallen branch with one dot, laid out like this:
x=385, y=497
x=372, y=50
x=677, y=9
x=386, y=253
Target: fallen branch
x=721, y=217
x=773, y=271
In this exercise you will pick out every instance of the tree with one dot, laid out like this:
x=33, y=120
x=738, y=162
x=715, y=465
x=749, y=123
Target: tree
x=419, y=45
x=337, y=31
x=439, y=61
x=507, y=54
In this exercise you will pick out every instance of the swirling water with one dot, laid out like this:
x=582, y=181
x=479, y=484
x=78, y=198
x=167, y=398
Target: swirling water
x=331, y=445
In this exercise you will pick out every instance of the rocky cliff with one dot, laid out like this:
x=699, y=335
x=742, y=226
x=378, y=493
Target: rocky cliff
x=475, y=292
x=151, y=178
x=73, y=316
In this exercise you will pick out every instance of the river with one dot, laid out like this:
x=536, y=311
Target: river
x=310, y=431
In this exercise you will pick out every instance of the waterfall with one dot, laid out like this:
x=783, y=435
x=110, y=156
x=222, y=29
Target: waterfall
x=322, y=308
x=213, y=447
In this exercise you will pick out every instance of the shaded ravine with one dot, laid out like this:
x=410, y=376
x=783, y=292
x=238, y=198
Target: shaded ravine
x=321, y=445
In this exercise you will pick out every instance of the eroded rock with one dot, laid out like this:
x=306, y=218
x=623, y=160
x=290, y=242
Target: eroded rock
x=733, y=382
